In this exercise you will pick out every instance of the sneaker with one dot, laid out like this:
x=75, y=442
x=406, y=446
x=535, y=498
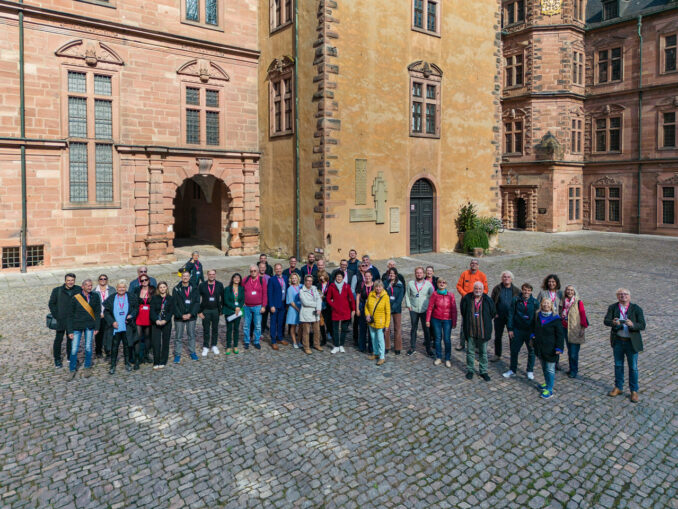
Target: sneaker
x=437, y=362
x=257, y=346
x=469, y=375
x=334, y=350
x=215, y=350
x=235, y=350
x=341, y=349
x=410, y=352
x=177, y=359
x=194, y=356
x=156, y=367
x=58, y=365
x=530, y=375
x=541, y=387
x=205, y=350
x=485, y=377
x=228, y=351
x=509, y=374
x=448, y=364
x=546, y=394
x=247, y=346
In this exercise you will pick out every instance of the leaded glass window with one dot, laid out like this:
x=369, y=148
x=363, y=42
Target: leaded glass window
x=212, y=98
x=212, y=127
x=77, y=117
x=103, y=119
x=211, y=12
x=78, y=172
x=104, y=172
x=77, y=82
x=192, y=96
x=102, y=85
x=193, y=126
x=192, y=11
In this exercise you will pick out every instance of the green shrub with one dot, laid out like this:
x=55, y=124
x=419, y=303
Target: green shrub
x=475, y=238
x=466, y=218
x=489, y=225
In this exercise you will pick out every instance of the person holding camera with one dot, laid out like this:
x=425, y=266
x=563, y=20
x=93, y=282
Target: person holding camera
x=626, y=320
x=309, y=315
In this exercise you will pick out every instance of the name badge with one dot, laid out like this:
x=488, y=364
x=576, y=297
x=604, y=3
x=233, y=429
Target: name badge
x=254, y=292
x=392, y=297
x=144, y=308
x=197, y=272
x=187, y=301
x=211, y=299
x=476, y=315
x=121, y=313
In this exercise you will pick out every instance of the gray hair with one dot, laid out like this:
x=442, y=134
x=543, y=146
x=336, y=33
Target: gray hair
x=88, y=280
x=141, y=267
x=195, y=253
x=480, y=284
x=474, y=260
x=508, y=273
x=122, y=282
x=378, y=284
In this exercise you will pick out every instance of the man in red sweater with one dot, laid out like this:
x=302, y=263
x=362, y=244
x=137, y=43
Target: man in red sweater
x=256, y=299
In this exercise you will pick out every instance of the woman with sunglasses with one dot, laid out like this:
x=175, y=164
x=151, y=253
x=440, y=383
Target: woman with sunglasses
x=142, y=343
x=102, y=341
x=234, y=301
x=441, y=316
x=162, y=305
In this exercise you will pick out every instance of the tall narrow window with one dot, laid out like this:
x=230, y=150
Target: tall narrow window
x=577, y=136
x=203, y=115
x=281, y=98
x=513, y=137
x=607, y=204
x=574, y=203
x=202, y=12
x=192, y=10
x=514, y=70
x=578, y=68
x=667, y=204
x=281, y=13
x=211, y=12
x=669, y=54
x=425, y=100
x=608, y=134
x=669, y=130
x=426, y=16
x=579, y=10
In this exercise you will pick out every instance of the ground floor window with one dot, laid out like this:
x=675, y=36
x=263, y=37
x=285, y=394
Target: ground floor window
x=607, y=204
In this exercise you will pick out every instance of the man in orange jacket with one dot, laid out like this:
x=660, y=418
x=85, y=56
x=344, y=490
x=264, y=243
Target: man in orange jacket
x=465, y=285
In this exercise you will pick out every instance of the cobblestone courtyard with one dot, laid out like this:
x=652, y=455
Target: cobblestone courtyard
x=282, y=429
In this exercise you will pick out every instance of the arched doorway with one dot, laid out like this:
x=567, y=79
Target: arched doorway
x=520, y=217
x=421, y=217
x=201, y=213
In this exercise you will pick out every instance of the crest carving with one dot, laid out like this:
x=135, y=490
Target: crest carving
x=551, y=7
x=605, y=181
x=576, y=181
x=670, y=181
x=425, y=68
x=279, y=65
x=205, y=70
x=90, y=52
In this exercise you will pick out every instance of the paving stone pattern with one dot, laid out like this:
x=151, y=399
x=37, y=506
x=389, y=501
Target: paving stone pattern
x=282, y=429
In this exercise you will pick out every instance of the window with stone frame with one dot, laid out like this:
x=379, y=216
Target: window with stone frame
x=513, y=12
x=574, y=204
x=515, y=70
x=281, y=98
x=668, y=54
x=608, y=134
x=281, y=14
x=201, y=12
x=576, y=136
x=610, y=9
x=203, y=115
x=610, y=63
x=425, y=100
x=578, y=67
x=90, y=113
x=426, y=16
x=103, y=3
x=667, y=129
x=607, y=203
x=513, y=137
x=667, y=195
x=579, y=10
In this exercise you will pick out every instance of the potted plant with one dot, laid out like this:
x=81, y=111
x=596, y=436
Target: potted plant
x=491, y=226
x=476, y=241
x=465, y=221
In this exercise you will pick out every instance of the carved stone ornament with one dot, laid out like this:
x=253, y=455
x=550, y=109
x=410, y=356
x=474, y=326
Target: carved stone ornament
x=551, y=7
x=549, y=148
x=670, y=181
x=205, y=70
x=576, y=181
x=425, y=68
x=279, y=65
x=606, y=181
x=92, y=53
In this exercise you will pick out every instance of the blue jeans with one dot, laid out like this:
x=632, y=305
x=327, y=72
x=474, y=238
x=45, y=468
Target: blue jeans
x=549, y=369
x=573, y=357
x=442, y=330
x=75, y=346
x=623, y=349
x=377, y=337
x=252, y=312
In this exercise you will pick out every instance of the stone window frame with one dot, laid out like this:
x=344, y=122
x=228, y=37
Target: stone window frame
x=103, y=3
x=575, y=193
x=201, y=16
x=286, y=14
x=594, y=132
x=425, y=75
x=519, y=14
x=662, y=52
x=579, y=11
x=660, y=128
x=607, y=15
x=578, y=67
x=91, y=139
x=670, y=183
x=513, y=131
x=510, y=69
x=279, y=72
x=577, y=127
x=609, y=62
x=425, y=17
x=606, y=184
x=188, y=82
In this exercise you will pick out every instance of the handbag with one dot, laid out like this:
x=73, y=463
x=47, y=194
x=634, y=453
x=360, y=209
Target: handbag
x=51, y=322
x=370, y=319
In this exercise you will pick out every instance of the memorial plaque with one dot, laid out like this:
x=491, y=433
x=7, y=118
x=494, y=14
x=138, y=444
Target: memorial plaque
x=394, y=220
x=362, y=215
x=361, y=181
x=380, y=196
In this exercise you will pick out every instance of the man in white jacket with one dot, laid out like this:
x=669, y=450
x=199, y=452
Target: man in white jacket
x=309, y=315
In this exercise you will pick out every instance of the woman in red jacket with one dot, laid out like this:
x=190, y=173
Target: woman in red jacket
x=442, y=313
x=340, y=299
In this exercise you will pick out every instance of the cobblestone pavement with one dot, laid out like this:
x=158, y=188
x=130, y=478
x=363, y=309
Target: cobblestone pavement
x=282, y=429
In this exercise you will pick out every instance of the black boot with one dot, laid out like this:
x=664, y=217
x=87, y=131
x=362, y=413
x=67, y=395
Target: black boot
x=137, y=355
x=114, y=361
x=126, y=353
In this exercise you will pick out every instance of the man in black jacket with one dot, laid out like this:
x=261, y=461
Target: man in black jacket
x=264, y=258
x=502, y=296
x=59, y=306
x=83, y=320
x=211, y=300
x=186, y=307
x=477, y=311
x=626, y=320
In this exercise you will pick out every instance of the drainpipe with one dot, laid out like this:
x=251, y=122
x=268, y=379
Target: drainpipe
x=22, y=116
x=297, y=175
x=640, y=113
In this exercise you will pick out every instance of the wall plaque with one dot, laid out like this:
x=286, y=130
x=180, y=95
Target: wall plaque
x=394, y=220
x=551, y=7
x=361, y=181
x=361, y=215
x=380, y=196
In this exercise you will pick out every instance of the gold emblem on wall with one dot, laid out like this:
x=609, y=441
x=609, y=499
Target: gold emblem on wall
x=551, y=7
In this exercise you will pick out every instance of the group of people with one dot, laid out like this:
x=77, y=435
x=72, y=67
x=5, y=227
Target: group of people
x=317, y=307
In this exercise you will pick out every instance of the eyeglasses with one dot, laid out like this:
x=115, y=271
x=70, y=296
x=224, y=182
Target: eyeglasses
x=251, y=271
x=103, y=279
x=144, y=280
x=142, y=271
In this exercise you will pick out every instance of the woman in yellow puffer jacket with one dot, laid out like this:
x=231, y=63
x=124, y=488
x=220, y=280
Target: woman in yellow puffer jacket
x=378, y=316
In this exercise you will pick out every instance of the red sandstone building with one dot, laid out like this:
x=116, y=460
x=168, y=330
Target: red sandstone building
x=140, y=127
x=590, y=110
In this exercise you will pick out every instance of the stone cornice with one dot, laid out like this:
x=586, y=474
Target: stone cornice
x=189, y=151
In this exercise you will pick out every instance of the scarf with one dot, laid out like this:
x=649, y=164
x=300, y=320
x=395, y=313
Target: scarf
x=546, y=319
x=442, y=292
x=339, y=286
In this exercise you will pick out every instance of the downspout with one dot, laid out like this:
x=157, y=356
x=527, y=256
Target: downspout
x=640, y=115
x=22, y=116
x=297, y=175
